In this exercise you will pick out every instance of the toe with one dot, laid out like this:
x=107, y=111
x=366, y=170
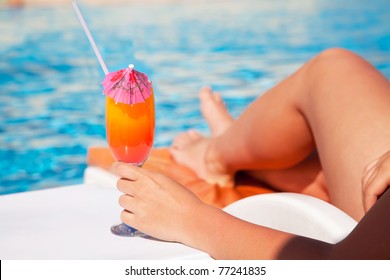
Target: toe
x=174, y=153
x=185, y=138
x=194, y=134
x=205, y=93
x=217, y=98
x=180, y=140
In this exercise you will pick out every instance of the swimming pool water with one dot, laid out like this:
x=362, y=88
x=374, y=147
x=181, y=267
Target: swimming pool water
x=51, y=107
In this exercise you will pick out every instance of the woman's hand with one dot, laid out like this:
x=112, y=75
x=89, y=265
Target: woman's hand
x=376, y=180
x=155, y=204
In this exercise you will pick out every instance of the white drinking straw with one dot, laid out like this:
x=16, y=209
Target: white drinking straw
x=90, y=38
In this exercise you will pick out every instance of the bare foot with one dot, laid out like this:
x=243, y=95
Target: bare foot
x=196, y=151
x=214, y=111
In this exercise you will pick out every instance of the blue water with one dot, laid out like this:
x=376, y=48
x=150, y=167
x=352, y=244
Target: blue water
x=51, y=107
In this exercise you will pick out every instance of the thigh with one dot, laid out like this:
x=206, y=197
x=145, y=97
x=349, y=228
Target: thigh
x=347, y=105
x=305, y=177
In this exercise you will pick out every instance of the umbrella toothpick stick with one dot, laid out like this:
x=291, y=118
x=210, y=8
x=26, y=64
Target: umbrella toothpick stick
x=90, y=38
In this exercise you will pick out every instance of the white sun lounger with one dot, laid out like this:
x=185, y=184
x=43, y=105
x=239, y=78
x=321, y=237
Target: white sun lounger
x=74, y=222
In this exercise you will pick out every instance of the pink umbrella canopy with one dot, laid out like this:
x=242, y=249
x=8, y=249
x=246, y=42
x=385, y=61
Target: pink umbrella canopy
x=127, y=86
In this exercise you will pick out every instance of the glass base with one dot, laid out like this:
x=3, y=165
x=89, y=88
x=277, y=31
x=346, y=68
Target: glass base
x=125, y=230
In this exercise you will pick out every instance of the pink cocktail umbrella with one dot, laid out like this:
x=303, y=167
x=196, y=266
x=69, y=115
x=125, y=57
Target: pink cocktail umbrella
x=127, y=86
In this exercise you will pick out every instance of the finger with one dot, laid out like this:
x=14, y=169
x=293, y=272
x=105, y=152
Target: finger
x=134, y=179
x=128, y=218
x=126, y=170
x=127, y=202
x=369, y=172
x=369, y=201
x=136, y=188
x=369, y=197
x=376, y=187
x=371, y=175
x=126, y=186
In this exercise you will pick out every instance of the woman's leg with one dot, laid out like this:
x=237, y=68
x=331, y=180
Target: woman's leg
x=337, y=103
x=305, y=177
x=348, y=111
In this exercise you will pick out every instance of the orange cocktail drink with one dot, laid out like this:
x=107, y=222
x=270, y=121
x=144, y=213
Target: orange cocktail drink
x=130, y=129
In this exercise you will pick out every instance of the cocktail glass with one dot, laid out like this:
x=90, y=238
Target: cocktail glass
x=130, y=115
x=130, y=135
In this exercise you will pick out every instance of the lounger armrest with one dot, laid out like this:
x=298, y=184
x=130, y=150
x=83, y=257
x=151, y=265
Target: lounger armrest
x=295, y=213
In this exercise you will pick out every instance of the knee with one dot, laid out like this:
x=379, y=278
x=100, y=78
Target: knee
x=330, y=70
x=337, y=53
x=338, y=59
